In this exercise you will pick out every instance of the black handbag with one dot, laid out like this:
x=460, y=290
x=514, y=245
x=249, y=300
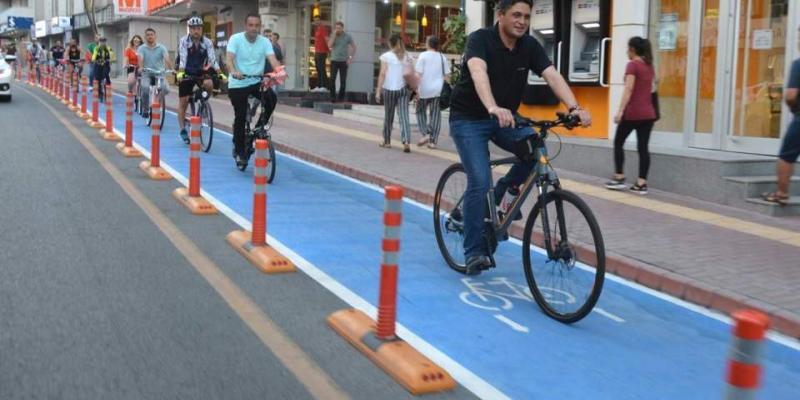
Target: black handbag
x=444, y=97
x=654, y=99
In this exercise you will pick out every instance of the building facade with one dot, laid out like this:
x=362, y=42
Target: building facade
x=721, y=65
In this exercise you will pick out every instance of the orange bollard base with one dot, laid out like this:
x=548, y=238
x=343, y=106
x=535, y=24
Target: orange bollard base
x=130, y=152
x=265, y=258
x=96, y=124
x=83, y=115
x=110, y=136
x=72, y=107
x=415, y=372
x=155, y=173
x=66, y=102
x=196, y=205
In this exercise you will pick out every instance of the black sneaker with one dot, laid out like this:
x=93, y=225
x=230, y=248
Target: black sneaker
x=185, y=136
x=616, y=184
x=476, y=264
x=241, y=162
x=639, y=189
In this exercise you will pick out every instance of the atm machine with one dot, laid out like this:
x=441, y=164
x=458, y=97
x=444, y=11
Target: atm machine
x=588, y=32
x=544, y=17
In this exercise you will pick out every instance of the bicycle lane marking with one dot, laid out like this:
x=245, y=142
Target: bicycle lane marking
x=334, y=223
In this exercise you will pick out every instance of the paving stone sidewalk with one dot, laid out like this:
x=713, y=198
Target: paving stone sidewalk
x=712, y=266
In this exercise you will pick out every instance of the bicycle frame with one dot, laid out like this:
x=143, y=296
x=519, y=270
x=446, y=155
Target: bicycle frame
x=542, y=176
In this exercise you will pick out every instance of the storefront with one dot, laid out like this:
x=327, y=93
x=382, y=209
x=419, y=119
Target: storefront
x=721, y=65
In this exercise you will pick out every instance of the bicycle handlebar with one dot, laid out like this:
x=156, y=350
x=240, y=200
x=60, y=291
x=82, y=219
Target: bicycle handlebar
x=157, y=71
x=566, y=120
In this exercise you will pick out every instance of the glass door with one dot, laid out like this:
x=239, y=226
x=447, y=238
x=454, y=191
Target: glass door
x=759, y=60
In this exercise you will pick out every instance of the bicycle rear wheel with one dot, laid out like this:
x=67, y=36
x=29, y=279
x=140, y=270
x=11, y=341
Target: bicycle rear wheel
x=448, y=218
x=567, y=285
x=206, y=126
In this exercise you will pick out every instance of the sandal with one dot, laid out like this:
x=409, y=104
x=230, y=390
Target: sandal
x=425, y=140
x=774, y=197
x=385, y=145
x=431, y=145
x=406, y=148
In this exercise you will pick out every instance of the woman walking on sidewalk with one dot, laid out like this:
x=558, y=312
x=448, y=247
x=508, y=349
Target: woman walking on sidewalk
x=432, y=74
x=636, y=112
x=392, y=88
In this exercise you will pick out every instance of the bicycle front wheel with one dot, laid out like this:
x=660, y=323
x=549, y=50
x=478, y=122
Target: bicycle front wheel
x=448, y=220
x=271, y=166
x=206, y=126
x=566, y=279
x=163, y=105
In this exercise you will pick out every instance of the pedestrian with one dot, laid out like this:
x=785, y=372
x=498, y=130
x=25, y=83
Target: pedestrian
x=132, y=61
x=432, y=74
x=636, y=112
x=790, y=148
x=343, y=49
x=321, y=54
x=278, y=47
x=393, y=90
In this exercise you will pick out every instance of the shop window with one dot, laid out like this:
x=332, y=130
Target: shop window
x=668, y=32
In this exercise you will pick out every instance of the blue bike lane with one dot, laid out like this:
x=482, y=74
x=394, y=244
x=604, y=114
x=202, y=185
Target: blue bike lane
x=640, y=345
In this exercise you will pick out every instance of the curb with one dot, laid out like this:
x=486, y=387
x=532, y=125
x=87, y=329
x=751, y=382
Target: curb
x=633, y=270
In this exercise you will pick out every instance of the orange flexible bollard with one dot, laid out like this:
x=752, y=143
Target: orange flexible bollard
x=74, y=85
x=378, y=341
x=253, y=246
x=127, y=148
x=108, y=132
x=191, y=198
x=84, y=98
x=744, y=371
x=153, y=167
x=95, y=122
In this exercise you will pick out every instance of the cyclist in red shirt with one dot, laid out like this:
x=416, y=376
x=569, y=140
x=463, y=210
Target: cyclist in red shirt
x=132, y=61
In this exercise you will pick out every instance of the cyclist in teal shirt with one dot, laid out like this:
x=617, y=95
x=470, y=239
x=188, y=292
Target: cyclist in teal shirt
x=248, y=53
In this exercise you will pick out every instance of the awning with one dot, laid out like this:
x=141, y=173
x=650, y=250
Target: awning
x=14, y=33
x=182, y=9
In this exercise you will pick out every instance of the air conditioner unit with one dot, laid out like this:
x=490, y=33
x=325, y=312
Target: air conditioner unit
x=275, y=7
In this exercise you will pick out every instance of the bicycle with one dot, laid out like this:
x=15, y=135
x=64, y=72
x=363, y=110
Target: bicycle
x=200, y=107
x=262, y=128
x=567, y=285
x=157, y=81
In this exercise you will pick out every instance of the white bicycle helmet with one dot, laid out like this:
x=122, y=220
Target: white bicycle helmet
x=194, y=21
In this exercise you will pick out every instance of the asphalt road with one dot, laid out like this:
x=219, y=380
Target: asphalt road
x=98, y=301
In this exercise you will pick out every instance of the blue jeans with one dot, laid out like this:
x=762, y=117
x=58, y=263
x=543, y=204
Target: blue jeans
x=472, y=141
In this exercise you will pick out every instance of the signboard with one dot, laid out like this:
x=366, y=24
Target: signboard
x=19, y=22
x=222, y=33
x=543, y=17
x=586, y=11
x=59, y=25
x=130, y=7
x=762, y=39
x=668, y=31
x=40, y=29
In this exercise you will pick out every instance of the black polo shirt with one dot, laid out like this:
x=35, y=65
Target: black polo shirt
x=507, y=70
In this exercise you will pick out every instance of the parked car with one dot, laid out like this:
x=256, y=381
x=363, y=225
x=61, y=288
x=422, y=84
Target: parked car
x=6, y=76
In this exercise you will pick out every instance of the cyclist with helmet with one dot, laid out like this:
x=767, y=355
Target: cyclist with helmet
x=196, y=60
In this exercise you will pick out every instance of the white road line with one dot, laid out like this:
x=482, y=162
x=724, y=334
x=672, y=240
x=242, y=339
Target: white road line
x=771, y=335
x=514, y=325
x=608, y=315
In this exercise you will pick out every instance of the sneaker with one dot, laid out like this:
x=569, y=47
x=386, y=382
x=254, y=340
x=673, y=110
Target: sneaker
x=616, y=184
x=241, y=162
x=476, y=264
x=425, y=140
x=406, y=148
x=639, y=189
x=185, y=136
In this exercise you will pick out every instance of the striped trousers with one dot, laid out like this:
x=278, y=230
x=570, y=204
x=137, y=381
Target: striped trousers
x=396, y=99
x=435, y=116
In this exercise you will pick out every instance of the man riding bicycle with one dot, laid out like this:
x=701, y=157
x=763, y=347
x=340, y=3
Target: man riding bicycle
x=153, y=56
x=494, y=74
x=196, y=60
x=246, y=59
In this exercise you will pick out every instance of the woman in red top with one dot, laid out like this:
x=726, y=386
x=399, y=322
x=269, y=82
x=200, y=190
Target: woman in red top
x=636, y=112
x=132, y=61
